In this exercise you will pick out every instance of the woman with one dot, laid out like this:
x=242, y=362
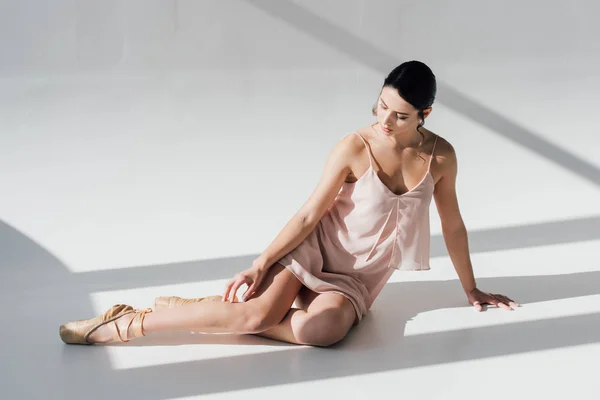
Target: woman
x=368, y=215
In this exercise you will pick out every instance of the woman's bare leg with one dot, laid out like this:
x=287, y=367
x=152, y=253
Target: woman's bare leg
x=325, y=319
x=267, y=307
x=284, y=331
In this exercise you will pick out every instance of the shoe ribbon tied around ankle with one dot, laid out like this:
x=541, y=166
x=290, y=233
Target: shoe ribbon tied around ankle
x=135, y=324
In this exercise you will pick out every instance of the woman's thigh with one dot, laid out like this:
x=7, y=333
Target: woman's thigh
x=307, y=301
x=328, y=318
x=336, y=302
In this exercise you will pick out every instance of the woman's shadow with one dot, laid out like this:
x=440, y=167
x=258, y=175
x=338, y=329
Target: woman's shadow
x=39, y=293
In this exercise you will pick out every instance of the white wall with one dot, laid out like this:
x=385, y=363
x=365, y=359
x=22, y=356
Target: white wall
x=136, y=133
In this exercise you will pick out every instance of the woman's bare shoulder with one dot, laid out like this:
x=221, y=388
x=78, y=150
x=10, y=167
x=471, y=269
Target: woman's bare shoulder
x=354, y=143
x=444, y=160
x=366, y=132
x=444, y=151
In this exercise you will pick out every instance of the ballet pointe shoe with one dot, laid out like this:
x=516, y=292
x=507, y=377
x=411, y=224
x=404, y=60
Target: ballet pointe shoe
x=174, y=301
x=78, y=332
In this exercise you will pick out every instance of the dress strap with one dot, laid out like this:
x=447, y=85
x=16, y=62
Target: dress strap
x=367, y=146
x=432, y=151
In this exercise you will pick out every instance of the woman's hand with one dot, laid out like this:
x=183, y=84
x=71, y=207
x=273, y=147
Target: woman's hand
x=477, y=298
x=252, y=277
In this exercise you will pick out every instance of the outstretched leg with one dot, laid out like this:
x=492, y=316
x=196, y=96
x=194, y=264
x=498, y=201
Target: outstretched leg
x=267, y=307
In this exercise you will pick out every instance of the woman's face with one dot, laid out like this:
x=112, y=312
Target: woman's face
x=395, y=114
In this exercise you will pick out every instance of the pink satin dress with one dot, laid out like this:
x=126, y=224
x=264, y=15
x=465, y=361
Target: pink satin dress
x=367, y=233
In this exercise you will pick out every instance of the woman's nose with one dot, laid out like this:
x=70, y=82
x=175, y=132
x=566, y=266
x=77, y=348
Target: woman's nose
x=387, y=119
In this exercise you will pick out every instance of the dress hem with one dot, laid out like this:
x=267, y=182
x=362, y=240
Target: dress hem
x=401, y=268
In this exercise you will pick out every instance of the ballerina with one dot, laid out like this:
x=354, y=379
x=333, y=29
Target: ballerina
x=368, y=216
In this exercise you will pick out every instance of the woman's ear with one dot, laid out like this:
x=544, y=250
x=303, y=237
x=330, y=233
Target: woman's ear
x=426, y=112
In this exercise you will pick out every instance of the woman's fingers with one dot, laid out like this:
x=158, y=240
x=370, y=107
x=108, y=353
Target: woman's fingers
x=247, y=277
x=508, y=301
x=499, y=303
x=241, y=280
x=497, y=300
x=227, y=290
x=504, y=302
x=234, y=289
x=251, y=289
x=249, y=292
x=231, y=289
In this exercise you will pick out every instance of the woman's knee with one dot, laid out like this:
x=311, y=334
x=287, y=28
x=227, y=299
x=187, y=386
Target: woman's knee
x=324, y=328
x=260, y=319
x=271, y=301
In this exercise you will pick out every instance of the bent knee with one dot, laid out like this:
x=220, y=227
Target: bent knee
x=322, y=329
x=258, y=320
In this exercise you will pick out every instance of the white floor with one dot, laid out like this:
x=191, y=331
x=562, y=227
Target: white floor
x=420, y=340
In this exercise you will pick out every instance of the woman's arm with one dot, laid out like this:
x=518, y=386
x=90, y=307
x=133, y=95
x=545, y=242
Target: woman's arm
x=453, y=227
x=455, y=234
x=337, y=168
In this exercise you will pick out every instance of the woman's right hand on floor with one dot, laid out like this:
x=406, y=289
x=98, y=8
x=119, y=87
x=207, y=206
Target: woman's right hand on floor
x=252, y=277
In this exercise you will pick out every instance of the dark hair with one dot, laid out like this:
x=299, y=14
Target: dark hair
x=415, y=83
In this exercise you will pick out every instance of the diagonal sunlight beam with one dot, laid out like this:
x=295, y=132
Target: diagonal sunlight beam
x=527, y=236
x=507, y=238
x=510, y=130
